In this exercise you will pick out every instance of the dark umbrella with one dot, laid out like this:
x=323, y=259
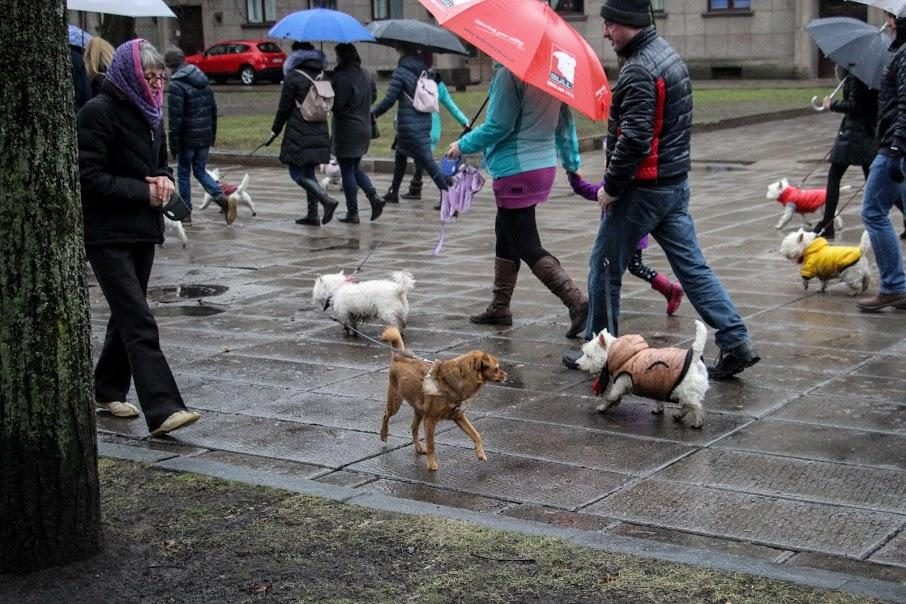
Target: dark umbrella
x=427, y=36
x=856, y=46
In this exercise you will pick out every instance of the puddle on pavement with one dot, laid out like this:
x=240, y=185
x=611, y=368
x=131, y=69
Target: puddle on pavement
x=346, y=244
x=199, y=310
x=167, y=294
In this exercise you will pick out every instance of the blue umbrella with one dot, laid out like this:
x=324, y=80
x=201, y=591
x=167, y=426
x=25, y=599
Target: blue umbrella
x=78, y=37
x=320, y=25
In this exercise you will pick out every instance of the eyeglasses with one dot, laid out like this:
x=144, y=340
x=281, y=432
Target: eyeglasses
x=151, y=78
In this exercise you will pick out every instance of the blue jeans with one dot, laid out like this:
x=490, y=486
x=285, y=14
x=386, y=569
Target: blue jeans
x=664, y=213
x=881, y=193
x=353, y=180
x=194, y=161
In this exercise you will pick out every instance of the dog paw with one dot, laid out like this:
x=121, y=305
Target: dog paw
x=602, y=408
x=657, y=411
x=419, y=450
x=432, y=466
x=482, y=456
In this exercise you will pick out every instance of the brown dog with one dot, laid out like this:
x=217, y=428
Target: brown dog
x=436, y=391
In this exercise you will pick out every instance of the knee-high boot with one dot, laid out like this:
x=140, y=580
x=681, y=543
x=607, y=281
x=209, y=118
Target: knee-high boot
x=315, y=191
x=672, y=291
x=311, y=218
x=498, y=311
x=552, y=275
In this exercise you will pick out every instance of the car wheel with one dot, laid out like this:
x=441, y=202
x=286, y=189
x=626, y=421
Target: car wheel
x=247, y=75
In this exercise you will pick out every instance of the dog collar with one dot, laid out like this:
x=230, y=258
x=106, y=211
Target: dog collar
x=348, y=279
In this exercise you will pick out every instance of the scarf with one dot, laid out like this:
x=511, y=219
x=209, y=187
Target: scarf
x=125, y=72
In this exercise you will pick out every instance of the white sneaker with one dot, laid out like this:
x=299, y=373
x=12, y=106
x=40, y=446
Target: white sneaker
x=119, y=408
x=177, y=420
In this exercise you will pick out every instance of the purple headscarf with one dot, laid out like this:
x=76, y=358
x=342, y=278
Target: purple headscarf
x=126, y=73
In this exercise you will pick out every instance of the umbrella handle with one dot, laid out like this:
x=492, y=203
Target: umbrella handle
x=819, y=107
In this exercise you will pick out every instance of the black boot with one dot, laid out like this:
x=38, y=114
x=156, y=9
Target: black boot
x=498, y=311
x=312, y=218
x=315, y=192
x=330, y=205
x=392, y=196
x=377, y=204
x=350, y=217
x=552, y=275
x=415, y=190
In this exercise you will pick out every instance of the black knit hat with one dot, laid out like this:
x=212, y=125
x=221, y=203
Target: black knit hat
x=174, y=57
x=636, y=13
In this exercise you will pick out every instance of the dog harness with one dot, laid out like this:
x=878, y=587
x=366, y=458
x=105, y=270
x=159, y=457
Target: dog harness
x=825, y=261
x=807, y=201
x=347, y=280
x=655, y=372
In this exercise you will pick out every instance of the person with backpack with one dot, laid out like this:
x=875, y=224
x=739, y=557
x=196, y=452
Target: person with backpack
x=193, y=128
x=410, y=86
x=303, y=109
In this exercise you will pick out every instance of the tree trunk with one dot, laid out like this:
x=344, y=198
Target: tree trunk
x=49, y=498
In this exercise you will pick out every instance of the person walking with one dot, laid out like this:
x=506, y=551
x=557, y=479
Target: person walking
x=306, y=144
x=524, y=132
x=646, y=186
x=354, y=91
x=125, y=181
x=413, y=127
x=885, y=179
x=98, y=54
x=193, y=129
x=855, y=144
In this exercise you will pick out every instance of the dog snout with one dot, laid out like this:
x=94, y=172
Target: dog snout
x=500, y=375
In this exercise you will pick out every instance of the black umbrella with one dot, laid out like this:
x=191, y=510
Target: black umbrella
x=427, y=36
x=856, y=46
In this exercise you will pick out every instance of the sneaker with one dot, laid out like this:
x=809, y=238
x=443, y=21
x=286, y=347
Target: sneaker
x=882, y=301
x=571, y=359
x=119, y=408
x=733, y=361
x=177, y=420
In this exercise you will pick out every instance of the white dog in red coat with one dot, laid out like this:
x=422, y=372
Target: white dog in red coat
x=238, y=192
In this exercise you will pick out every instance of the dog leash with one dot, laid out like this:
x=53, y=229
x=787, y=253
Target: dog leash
x=604, y=376
x=362, y=263
x=840, y=211
x=405, y=352
x=818, y=165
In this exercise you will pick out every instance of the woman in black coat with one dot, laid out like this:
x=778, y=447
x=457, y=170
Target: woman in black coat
x=305, y=144
x=125, y=180
x=354, y=92
x=855, y=144
x=413, y=128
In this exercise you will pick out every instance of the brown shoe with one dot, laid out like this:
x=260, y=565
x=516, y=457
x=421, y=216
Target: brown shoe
x=230, y=210
x=882, y=301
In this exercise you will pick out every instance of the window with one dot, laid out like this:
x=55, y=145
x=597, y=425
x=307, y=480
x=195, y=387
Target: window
x=331, y=4
x=657, y=6
x=569, y=6
x=268, y=47
x=728, y=5
x=387, y=9
x=216, y=50
x=261, y=11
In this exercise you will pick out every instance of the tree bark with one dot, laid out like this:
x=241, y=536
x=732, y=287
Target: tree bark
x=49, y=497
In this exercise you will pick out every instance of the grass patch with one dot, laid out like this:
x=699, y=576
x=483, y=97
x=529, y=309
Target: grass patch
x=182, y=537
x=245, y=132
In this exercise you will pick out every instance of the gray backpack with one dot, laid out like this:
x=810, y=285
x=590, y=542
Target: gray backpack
x=318, y=100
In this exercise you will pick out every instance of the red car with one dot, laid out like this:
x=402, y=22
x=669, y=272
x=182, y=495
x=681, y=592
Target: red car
x=248, y=60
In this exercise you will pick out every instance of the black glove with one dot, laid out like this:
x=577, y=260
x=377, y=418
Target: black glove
x=895, y=167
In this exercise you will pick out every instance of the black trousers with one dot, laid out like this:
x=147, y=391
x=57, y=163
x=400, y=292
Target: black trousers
x=131, y=349
x=424, y=162
x=517, y=236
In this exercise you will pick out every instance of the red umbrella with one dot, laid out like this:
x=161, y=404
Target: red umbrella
x=533, y=42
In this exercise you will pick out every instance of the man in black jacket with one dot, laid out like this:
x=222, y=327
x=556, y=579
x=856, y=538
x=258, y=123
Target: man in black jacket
x=193, y=128
x=646, y=187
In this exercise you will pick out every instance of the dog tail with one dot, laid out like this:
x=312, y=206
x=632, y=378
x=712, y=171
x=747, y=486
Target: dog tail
x=701, y=338
x=243, y=183
x=392, y=336
x=404, y=279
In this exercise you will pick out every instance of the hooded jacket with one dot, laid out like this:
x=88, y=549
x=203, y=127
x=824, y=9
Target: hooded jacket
x=304, y=143
x=655, y=372
x=192, y=109
x=413, y=128
x=825, y=261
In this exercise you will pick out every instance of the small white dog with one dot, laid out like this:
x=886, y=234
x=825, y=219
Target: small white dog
x=798, y=201
x=352, y=302
x=819, y=259
x=332, y=179
x=175, y=227
x=238, y=192
x=627, y=365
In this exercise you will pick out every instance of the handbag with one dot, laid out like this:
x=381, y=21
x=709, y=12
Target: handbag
x=375, y=133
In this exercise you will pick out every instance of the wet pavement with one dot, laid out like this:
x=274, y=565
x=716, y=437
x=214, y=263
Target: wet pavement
x=801, y=461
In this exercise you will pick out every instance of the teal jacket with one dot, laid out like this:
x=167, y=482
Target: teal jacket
x=443, y=95
x=525, y=129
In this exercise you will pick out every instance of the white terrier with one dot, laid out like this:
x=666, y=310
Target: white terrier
x=332, y=179
x=238, y=192
x=798, y=201
x=627, y=365
x=819, y=259
x=352, y=302
x=175, y=227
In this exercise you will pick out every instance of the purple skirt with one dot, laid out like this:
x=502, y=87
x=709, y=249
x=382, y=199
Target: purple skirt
x=524, y=189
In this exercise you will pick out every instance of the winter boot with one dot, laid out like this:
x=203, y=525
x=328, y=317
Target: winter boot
x=392, y=196
x=672, y=291
x=350, y=218
x=312, y=218
x=415, y=190
x=330, y=205
x=498, y=311
x=377, y=204
x=552, y=275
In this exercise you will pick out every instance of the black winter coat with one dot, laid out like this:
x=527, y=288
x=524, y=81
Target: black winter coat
x=304, y=143
x=192, y=109
x=855, y=144
x=117, y=150
x=80, y=84
x=892, y=104
x=649, y=132
x=413, y=128
x=354, y=92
